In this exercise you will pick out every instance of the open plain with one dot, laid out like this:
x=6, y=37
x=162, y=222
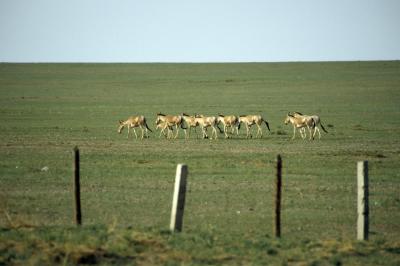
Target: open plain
x=48, y=109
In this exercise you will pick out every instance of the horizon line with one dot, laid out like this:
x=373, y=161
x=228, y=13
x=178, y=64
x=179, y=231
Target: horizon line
x=194, y=62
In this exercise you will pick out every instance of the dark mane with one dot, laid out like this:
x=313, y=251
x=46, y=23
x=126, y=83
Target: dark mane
x=221, y=115
x=161, y=114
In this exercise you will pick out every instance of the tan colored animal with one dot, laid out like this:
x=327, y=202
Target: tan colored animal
x=250, y=120
x=170, y=121
x=205, y=122
x=317, y=122
x=133, y=122
x=162, y=126
x=190, y=123
x=231, y=121
x=299, y=123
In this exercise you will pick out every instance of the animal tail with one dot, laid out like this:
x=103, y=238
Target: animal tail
x=183, y=126
x=266, y=123
x=145, y=123
x=220, y=130
x=239, y=123
x=323, y=127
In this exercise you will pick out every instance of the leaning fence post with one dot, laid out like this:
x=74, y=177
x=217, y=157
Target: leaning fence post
x=362, y=201
x=77, y=187
x=278, y=196
x=178, y=201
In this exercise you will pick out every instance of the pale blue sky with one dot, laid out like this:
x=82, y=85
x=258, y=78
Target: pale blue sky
x=198, y=31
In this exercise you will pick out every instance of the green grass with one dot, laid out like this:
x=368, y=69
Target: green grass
x=110, y=246
x=47, y=109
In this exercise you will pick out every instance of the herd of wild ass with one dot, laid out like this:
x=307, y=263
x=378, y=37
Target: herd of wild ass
x=167, y=123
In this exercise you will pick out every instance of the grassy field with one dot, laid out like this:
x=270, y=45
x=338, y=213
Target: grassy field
x=47, y=109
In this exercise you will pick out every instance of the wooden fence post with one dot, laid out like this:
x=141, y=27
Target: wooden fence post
x=278, y=196
x=178, y=201
x=362, y=201
x=77, y=187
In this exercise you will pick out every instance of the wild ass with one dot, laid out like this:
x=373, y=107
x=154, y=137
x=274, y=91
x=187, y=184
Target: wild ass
x=250, y=120
x=132, y=122
x=190, y=122
x=204, y=122
x=231, y=121
x=317, y=122
x=299, y=123
x=162, y=126
x=170, y=121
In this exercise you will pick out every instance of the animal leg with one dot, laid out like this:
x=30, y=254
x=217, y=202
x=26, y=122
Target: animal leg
x=162, y=132
x=248, y=131
x=311, y=133
x=142, y=131
x=190, y=130
x=205, y=136
x=294, y=132
x=177, y=131
x=319, y=133
x=170, y=132
x=305, y=133
x=166, y=127
x=259, y=131
x=226, y=134
x=134, y=131
x=146, y=133
x=214, y=131
x=301, y=130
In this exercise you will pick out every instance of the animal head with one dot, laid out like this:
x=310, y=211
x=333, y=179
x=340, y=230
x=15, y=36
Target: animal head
x=159, y=118
x=287, y=119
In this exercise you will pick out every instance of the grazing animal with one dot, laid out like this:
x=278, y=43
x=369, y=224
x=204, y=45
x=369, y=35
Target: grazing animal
x=170, y=121
x=317, y=122
x=250, y=120
x=190, y=122
x=207, y=121
x=133, y=122
x=231, y=121
x=299, y=123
